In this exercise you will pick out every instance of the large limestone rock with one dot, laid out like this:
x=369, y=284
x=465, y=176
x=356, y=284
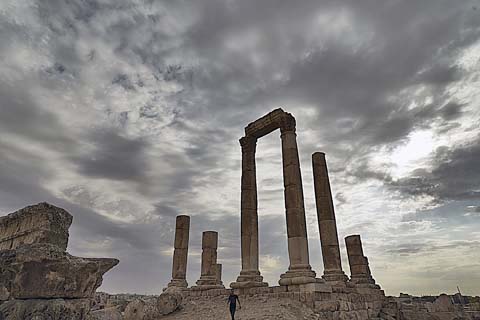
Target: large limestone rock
x=154, y=308
x=169, y=301
x=140, y=309
x=45, y=309
x=45, y=271
x=34, y=263
x=111, y=313
x=40, y=223
x=443, y=304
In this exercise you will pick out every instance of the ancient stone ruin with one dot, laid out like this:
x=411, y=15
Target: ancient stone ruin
x=180, y=253
x=38, y=278
x=332, y=295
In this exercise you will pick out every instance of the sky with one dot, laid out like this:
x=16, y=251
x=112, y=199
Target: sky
x=127, y=113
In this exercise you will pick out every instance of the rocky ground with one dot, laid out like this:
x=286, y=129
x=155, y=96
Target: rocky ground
x=252, y=309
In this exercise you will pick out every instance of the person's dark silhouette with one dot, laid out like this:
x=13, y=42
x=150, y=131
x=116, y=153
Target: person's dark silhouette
x=232, y=301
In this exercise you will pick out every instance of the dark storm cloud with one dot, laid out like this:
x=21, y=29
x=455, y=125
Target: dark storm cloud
x=114, y=157
x=21, y=116
x=451, y=110
x=355, y=67
x=426, y=247
x=21, y=179
x=453, y=175
x=364, y=78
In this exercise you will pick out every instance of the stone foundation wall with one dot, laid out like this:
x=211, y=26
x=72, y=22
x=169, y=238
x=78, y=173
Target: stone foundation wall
x=339, y=302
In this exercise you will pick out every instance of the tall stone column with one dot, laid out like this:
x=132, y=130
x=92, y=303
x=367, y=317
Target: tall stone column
x=208, y=276
x=180, y=253
x=250, y=274
x=299, y=271
x=326, y=221
x=360, y=271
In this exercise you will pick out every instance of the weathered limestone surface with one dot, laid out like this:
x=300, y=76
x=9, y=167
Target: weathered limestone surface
x=180, y=254
x=326, y=220
x=441, y=309
x=45, y=309
x=140, y=309
x=153, y=308
x=40, y=223
x=39, y=280
x=359, y=268
x=110, y=313
x=44, y=271
x=169, y=301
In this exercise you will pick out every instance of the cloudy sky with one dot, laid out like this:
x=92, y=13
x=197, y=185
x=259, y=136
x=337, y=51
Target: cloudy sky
x=127, y=113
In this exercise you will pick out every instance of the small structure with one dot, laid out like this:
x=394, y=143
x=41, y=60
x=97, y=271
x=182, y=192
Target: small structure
x=359, y=268
x=208, y=278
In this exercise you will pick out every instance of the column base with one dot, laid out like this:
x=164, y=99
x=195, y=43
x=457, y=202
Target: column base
x=296, y=276
x=179, y=283
x=334, y=276
x=207, y=283
x=207, y=287
x=366, y=280
x=248, y=279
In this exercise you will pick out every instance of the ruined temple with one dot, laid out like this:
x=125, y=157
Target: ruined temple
x=40, y=280
x=332, y=294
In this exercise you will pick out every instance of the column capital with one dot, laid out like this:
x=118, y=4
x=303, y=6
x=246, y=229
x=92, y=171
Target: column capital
x=287, y=123
x=248, y=143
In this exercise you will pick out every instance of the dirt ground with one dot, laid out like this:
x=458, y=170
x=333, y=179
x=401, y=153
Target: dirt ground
x=252, y=309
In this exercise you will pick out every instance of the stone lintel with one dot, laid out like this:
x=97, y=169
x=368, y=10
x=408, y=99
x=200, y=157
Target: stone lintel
x=265, y=124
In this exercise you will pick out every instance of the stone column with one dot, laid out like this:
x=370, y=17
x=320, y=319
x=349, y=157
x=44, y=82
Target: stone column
x=180, y=253
x=359, y=269
x=299, y=271
x=218, y=273
x=250, y=274
x=326, y=221
x=208, y=277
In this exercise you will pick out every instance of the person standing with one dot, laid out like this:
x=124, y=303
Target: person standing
x=232, y=301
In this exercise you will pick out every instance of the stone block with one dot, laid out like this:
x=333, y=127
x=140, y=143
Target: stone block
x=326, y=306
x=315, y=287
x=278, y=289
x=140, y=309
x=111, y=313
x=40, y=223
x=45, y=271
x=170, y=300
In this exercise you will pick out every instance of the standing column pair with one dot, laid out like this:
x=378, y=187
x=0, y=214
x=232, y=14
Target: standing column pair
x=299, y=271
